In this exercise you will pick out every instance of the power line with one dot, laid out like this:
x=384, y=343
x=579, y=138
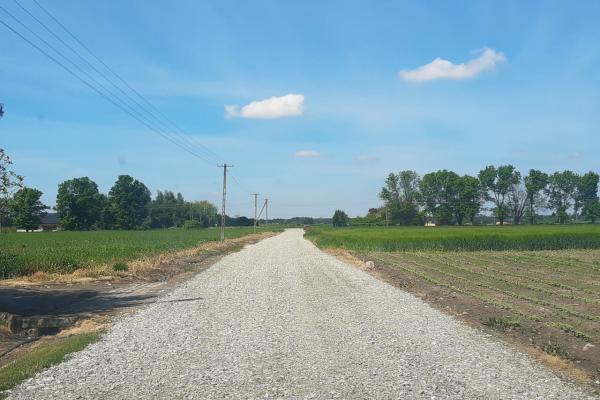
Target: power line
x=155, y=109
x=184, y=142
x=161, y=125
x=190, y=140
x=117, y=104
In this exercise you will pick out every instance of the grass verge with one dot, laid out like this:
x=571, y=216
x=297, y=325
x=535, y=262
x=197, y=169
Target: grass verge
x=41, y=357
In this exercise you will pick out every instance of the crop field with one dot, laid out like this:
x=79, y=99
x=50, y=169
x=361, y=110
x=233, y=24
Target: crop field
x=64, y=252
x=468, y=238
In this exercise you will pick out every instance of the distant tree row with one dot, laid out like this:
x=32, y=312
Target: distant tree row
x=128, y=205
x=81, y=206
x=446, y=198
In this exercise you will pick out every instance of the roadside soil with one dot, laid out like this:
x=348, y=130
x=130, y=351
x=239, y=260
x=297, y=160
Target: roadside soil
x=42, y=307
x=574, y=357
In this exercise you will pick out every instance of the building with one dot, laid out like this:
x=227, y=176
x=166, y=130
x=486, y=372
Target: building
x=49, y=223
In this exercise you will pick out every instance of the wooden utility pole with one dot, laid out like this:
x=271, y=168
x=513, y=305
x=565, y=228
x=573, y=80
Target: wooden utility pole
x=255, y=210
x=266, y=211
x=224, y=166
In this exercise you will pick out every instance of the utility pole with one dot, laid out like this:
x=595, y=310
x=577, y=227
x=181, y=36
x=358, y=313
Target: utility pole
x=255, y=210
x=266, y=211
x=225, y=166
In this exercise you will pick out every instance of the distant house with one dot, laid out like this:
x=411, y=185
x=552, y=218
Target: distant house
x=49, y=223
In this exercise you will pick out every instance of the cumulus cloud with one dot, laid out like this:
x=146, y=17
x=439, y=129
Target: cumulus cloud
x=307, y=153
x=444, y=69
x=290, y=105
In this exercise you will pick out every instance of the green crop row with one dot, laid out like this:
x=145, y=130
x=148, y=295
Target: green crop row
x=542, y=237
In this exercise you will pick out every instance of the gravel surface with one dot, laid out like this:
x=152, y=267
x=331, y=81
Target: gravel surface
x=281, y=319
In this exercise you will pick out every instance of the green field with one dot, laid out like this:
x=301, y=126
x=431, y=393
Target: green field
x=468, y=238
x=64, y=252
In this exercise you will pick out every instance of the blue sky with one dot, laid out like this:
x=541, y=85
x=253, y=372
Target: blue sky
x=531, y=100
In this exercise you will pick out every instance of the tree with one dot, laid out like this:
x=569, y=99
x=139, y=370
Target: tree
x=27, y=208
x=401, y=196
x=340, y=218
x=593, y=211
x=468, y=199
x=9, y=182
x=439, y=194
x=561, y=191
x=204, y=212
x=587, y=193
x=79, y=204
x=128, y=202
x=166, y=210
x=517, y=202
x=535, y=184
x=497, y=183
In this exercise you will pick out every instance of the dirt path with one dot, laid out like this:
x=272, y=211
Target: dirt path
x=281, y=319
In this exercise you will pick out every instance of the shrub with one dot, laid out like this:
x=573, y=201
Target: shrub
x=120, y=266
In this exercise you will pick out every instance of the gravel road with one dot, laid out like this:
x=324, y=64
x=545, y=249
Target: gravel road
x=281, y=319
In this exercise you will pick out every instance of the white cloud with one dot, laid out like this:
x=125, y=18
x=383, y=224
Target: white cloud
x=289, y=105
x=307, y=153
x=444, y=69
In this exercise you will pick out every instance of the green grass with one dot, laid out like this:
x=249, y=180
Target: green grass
x=42, y=357
x=469, y=238
x=64, y=252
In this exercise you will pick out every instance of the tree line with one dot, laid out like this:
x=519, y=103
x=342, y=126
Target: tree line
x=128, y=205
x=81, y=206
x=447, y=198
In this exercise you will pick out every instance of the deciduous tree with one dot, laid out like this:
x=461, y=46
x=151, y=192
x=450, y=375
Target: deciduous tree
x=468, y=199
x=497, y=183
x=79, y=204
x=128, y=203
x=27, y=208
x=401, y=196
x=439, y=193
x=587, y=193
x=561, y=191
x=9, y=182
x=535, y=185
x=340, y=218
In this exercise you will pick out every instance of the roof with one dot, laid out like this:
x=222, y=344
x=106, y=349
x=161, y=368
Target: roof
x=50, y=219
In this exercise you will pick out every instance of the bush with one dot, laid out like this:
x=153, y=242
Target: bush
x=191, y=224
x=120, y=266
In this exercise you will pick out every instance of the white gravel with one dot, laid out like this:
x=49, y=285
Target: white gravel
x=281, y=319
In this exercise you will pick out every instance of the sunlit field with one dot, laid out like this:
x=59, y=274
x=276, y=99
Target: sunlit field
x=468, y=238
x=64, y=252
